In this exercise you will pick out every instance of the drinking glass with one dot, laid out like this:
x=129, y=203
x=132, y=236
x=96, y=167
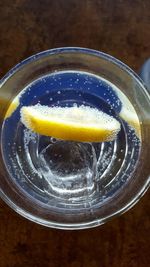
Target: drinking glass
x=109, y=177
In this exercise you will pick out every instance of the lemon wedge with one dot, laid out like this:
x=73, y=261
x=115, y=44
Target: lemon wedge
x=12, y=107
x=83, y=124
x=128, y=113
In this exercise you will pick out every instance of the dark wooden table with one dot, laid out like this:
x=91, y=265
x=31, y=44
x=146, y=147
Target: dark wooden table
x=122, y=29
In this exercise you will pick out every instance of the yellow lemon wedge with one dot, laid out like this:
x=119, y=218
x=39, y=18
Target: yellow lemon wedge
x=128, y=113
x=12, y=107
x=82, y=124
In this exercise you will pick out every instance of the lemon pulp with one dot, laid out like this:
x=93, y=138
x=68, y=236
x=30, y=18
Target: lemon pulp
x=83, y=124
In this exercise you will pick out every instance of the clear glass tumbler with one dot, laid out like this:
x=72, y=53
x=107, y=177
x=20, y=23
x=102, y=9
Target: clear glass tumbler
x=71, y=185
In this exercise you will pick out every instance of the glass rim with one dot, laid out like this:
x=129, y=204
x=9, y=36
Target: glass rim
x=61, y=50
x=135, y=199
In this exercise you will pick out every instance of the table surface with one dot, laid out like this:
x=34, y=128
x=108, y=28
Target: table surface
x=122, y=29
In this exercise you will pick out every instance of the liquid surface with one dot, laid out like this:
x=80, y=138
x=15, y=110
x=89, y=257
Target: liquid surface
x=71, y=174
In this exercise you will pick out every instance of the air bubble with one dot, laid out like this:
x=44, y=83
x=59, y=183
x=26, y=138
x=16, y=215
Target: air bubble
x=74, y=104
x=53, y=140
